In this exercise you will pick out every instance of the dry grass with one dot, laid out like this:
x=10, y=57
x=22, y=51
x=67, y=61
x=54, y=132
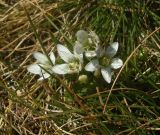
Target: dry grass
x=26, y=105
x=19, y=92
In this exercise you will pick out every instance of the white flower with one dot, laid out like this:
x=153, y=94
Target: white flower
x=43, y=66
x=81, y=42
x=84, y=38
x=104, y=61
x=73, y=61
x=86, y=43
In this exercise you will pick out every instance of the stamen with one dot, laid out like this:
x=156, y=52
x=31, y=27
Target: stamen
x=104, y=61
x=74, y=65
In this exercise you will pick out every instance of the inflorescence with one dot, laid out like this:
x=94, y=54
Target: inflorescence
x=101, y=59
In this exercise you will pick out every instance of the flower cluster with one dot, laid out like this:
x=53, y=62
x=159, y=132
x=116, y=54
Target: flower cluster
x=87, y=45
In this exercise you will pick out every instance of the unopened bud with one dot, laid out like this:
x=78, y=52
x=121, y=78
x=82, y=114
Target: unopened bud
x=83, y=79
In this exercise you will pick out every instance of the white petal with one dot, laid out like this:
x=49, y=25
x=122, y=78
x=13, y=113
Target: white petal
x=35, y=69
x=41, y=78
x=61, y=69
x=116, y=63
x=52, y=57
x=41, y=58
x=79, y=57
x=82, y=36
x=112, y=49
x=92, y=65
x=78, y=48
x=44, y=76
x=90, y=54
x=106, y=73
x=100, y=51
x=64, y=53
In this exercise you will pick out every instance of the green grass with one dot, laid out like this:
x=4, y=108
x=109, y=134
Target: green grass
x=60, y=105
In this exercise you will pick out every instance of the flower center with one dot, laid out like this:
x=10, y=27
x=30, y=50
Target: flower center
x=104, y=61
x=74, y=65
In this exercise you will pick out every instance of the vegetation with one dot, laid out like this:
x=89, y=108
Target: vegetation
x=60, y=104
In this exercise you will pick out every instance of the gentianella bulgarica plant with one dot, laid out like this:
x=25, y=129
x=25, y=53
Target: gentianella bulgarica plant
x=101, y=59
x=73, y=61
x=105, y=61
x=43, y=67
